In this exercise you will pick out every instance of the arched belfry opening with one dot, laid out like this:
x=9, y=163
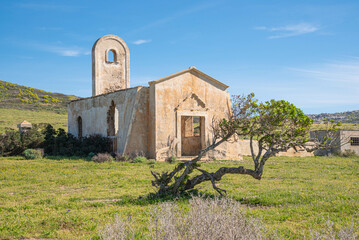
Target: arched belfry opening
x=79, y=127
x=110, y=65
x=111, y=56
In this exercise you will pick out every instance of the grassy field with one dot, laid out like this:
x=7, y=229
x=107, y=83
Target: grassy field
x=11, y=117
x=72, y=199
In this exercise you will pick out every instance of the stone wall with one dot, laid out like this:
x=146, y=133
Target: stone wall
x=345, y=137
x=94, y=112
x=245, y=150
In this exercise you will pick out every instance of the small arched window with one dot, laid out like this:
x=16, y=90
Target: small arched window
x=79, y=127
x=111, y=56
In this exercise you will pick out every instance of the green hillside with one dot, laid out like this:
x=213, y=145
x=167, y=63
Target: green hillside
x=16, y=96
x=18, y=103
x=344, y=117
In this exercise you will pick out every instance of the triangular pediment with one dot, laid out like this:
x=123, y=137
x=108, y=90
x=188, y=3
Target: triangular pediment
x=196, y=72
x=191, y=102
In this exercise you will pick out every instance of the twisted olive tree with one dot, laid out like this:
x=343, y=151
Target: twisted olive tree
x=275, y=125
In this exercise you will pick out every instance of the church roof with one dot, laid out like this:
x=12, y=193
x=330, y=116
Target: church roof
x=190, y=69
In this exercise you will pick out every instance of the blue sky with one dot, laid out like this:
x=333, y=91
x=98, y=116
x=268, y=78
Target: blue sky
x=305, y=52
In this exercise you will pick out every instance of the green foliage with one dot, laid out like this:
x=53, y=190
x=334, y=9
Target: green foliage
x=32, y=154
x=59, y=142
x=13, y=143
x=276, y=124
x=172, y=159
x=346, y=153
x=102, y=157
x=122, y=157
x=10, y=143
x=139, y=159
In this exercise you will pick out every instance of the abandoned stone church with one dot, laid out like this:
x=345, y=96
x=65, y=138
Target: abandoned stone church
x=170, y=117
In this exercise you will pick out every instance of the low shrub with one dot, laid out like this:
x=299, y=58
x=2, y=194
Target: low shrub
x=32, y=154
x=139, y=159
x=346, y=153
x=218, y=218
x=91, y=154
x=206, y=219
x=102, y=157
x=330, y=232
x=13, y=143
x=172, y=159
x=121, y=157
x=152, y=163
x=59, y=142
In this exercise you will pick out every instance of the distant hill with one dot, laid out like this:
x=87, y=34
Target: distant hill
x=16, y=96
x=344, y=117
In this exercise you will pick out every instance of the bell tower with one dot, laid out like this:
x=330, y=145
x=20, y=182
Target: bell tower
x=110, y=65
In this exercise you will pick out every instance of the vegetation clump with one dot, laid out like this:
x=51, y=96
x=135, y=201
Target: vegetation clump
x=13, y=143
x=346, y=153
x=139, y=159
x=218, y=218
x=102, y=157
x=32, y=154
x=172, y=159
x=54, y=142
x=59, y=142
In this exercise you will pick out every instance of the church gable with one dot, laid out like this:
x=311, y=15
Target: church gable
x=194, y=72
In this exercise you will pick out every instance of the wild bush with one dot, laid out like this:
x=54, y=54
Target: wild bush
x=58, y=142
x=208, y=219
x=330, y=233
x=346, y=153
x=13, y=143
x=32, y=154
x=172, y=159
x=121, y=157
x=219, y=218
x=102, y=157
x=139, y=159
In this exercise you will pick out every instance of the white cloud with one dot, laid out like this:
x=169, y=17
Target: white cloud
x=47, y=7
x=141, y=41
x=289, y=30
x=176, y=15
x=346, y=72
x=62, y=50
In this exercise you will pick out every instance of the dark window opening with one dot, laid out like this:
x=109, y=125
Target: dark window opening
x=79, y=127
x=354, y=141
x=111, y=120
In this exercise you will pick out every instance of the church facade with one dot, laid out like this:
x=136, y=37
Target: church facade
x=170, y=117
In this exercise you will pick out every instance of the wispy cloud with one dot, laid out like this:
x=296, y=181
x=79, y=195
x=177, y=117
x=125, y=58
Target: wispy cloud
x=179, y=14
x=289, y=30
x=345, y=72
x=72, y=51
x=36, y=6
x=49, y=28
x=141, y=41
